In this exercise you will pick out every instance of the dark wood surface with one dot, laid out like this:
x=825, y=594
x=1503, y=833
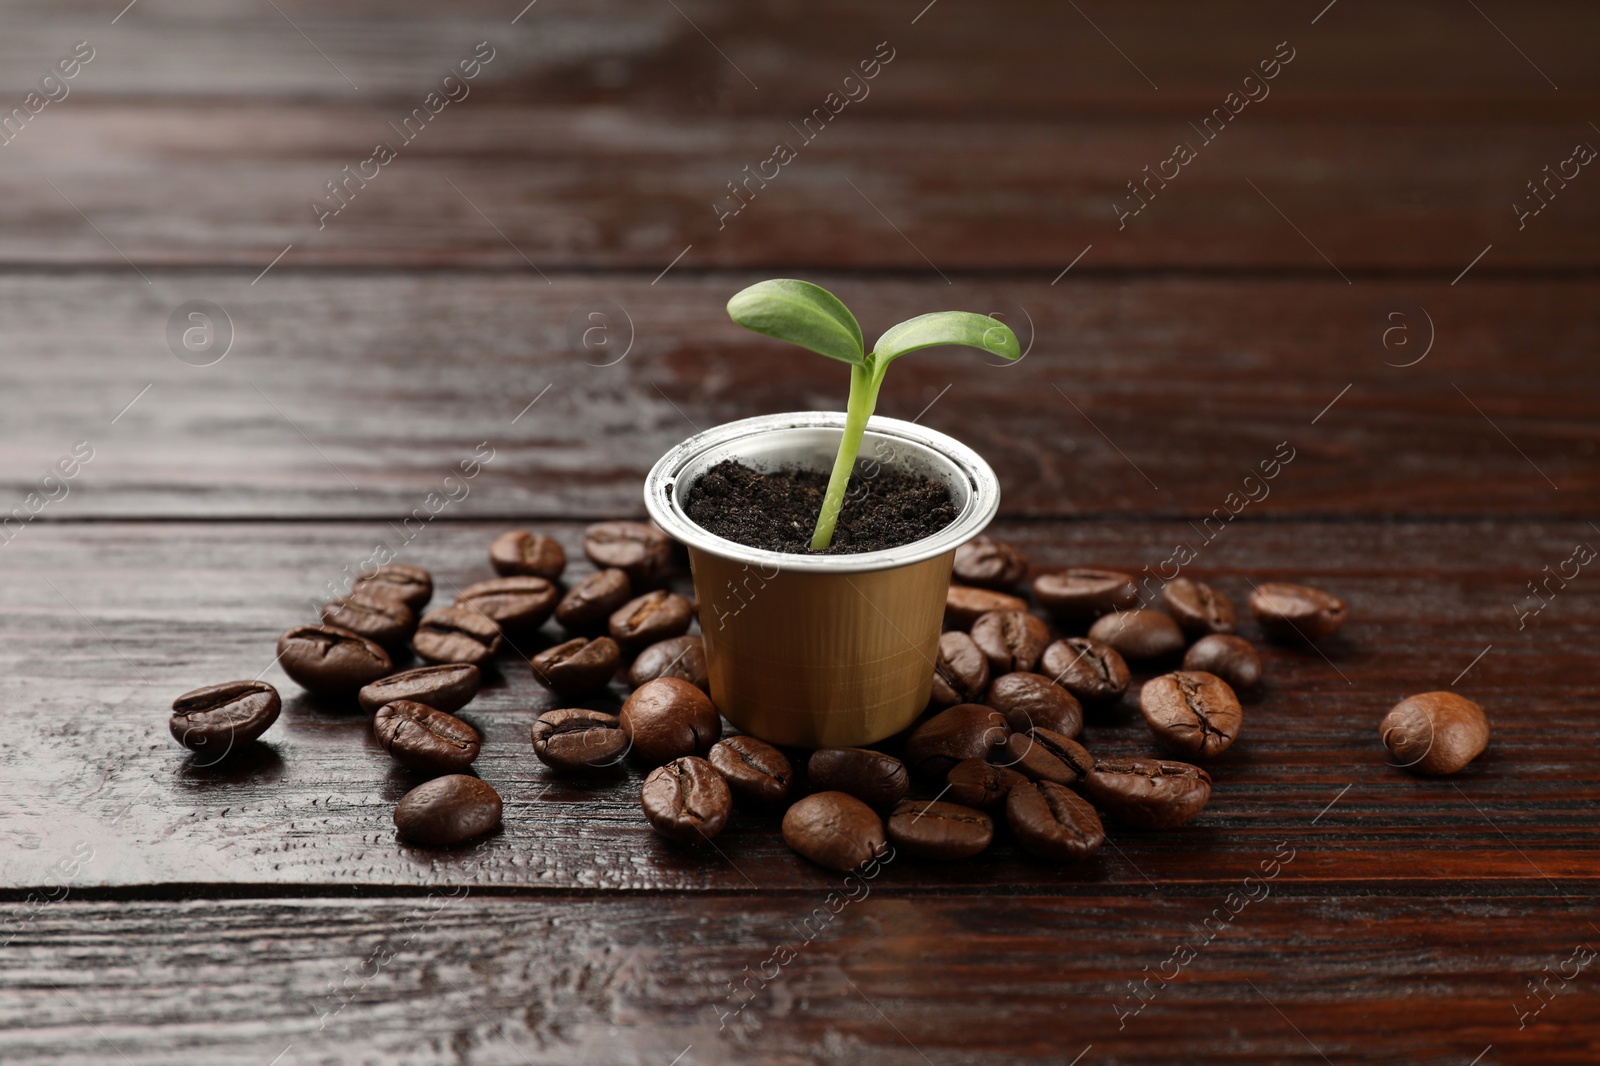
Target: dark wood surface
x=155, y=911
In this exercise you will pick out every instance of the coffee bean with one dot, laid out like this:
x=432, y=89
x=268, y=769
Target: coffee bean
x=1081, y=593
x=965, y=731
x=578, y=668
x=588, y=605
x=1053, y=822
x=1092, y=671
x=456, y=635
x=1045, y=755
x=962, y=671
x=575, y=740
x=668, y=718
x=654, y=616
x=935, y=830
x=1296, y=613
x=515, y=604
x=834, y=830
x=520, y=553
x=755, y=770
x=1013, y=640
x=964, y=605
x=386, y=622
x=331, y=661
x=412, y=585
x=1191, y=711
x=876, y=779
x=686, y=799
x=680, y=657
x=421, y=738
x=1233, y=659
x=448, y=687
x=640, y=550
x=220, y=719
x=1029, y=700
x=979, y=783
x=989, y=563
x=1139, y=633
x=1435, y=733
x=1148, y=793
x=447, y=811
x=1198, y=608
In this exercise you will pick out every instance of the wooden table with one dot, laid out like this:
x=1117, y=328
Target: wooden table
x=1341, y=270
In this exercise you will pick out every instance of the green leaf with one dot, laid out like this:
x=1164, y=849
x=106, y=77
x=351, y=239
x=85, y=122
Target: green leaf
x=800, y=313
x=948, y=327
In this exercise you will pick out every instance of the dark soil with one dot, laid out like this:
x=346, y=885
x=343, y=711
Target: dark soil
x=778, y=510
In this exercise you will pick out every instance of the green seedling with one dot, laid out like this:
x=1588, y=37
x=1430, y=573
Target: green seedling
x=815, y=319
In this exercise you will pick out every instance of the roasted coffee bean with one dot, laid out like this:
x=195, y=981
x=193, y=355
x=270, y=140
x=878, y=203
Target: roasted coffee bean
x=575, y=740
x=1053, y=822
x=755, y=770
x=979, y=783
x=220, y=719
x=989, y=563
x=388, y=623
x=421, y=738
x=447, y=811
x=1139, y=634
x=1092, y=671
x=1148, y=793
x=686, y=799
x=1435, y=733
x=876, y=779
x=640, y=550
x=964, y=605
x=834, y=830
x=1080, y=594
x=1198, y=608
x=515, y=604
x=520, y=553
x=654, y=616
x=1045, y=755
x=1029, y=700
x=1231, y=658
x=962, y=673
x=447, y=687
x=1013, y=640
x=412, y=585
x=588, y=606
x=331, y=661
x=934, y=830
x=1194, y=712
x=965, y=731
x=456, y=635
x=681, y=657
x=577, y=668
x=668, y=718
x=1296, y=613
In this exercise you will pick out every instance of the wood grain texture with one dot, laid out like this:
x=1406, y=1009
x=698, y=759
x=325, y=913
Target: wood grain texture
x=105, y=624
x=355, y=395
x=579, y=980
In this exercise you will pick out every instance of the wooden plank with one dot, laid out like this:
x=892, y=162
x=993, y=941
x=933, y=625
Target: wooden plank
x=1029, y=980
x=354, y=396
x=105, y=623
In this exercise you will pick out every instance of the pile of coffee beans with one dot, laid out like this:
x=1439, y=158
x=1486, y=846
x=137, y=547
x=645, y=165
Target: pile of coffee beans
x=997, y=753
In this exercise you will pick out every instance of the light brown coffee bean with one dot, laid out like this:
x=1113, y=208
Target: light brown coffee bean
x=835, y=830
x=424, y=739
x=411, y=585
x=576, y=740
x=1082, y=593
x=515, y=604
x=637, y=548
x=964, y=605
x=331, y=661
x=1053, y=822
x=447, y=811
x=1044, y=755
x=1198, y=608
x=965, y=731
x=219, y=720
x=680, y=657
x=1012, y=640
x=962, y=672
x=1091, y=671
x=1296, y=613
x=1139, y=634
x=989, y=563
x=874, y=778
x=1233, y=659
x=1148, y=793
x=1194, y=712
x=447, y=687
x=456, y=635
x=1435, y=732
x=386, y=622
x=981, y=784
x=1030, y=700
x=686, y=800
x=755, y=770
x=589, y=605
x=669, y=718
x=520, y=553
x=931, y=829
x=655, y=616
x=577, y=668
